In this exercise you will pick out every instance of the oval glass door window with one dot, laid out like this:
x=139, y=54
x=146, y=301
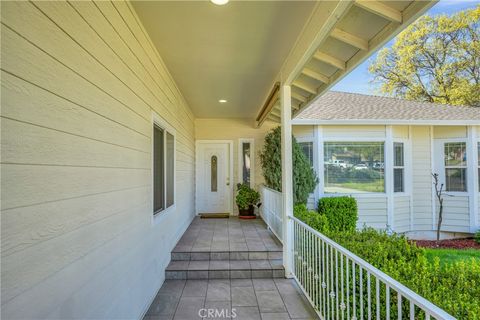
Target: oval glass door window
x=213, y=174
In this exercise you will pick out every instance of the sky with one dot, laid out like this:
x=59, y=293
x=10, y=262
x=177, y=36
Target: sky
x=359, y=80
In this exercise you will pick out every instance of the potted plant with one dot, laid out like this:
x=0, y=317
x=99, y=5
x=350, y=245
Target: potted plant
x=247, y=199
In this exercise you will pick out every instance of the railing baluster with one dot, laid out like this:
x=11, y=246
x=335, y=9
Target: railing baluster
x=347, y=272
x=342, y=304
x=399, y=305
x=323, y=279
x=412, y=310
x=354, y=292
x=369, y=296
x=331, y=291
x=336, y=282
x=327, y=278
x=377, y=285
x=360, y=270
x=387, y=302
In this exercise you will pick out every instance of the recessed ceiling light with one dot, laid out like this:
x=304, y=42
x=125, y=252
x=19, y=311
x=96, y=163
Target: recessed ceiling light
x=219, y=2
x=222, y=101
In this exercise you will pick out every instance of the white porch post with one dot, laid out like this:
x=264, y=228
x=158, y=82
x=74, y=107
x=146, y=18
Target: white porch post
x=287, y=181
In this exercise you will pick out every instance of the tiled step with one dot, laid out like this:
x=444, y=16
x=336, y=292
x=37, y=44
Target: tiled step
x=225, y=269
x=178, y=255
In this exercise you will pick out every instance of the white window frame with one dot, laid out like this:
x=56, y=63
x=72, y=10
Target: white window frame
x=407, y=167
x=252, y=160
x=160, y=122
x=309, y=140
x=439, y=155
x=356, y=194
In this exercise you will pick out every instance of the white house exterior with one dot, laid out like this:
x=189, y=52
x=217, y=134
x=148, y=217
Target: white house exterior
x=105, y=107
x=428, y=138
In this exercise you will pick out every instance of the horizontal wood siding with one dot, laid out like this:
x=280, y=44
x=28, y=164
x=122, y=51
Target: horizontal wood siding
x=372, y=212
x=421, y=179
x=401, y=213
x=79, y=83
x=349, y=132
x=456, y=214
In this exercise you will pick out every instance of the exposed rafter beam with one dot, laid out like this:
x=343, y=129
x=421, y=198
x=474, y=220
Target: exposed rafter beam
x=274, y=118
x=337, y=63
x=350, y=39
x=315, y=75
x=298, y=97
x=380, y=9
x=269, y=104
x=304, y=86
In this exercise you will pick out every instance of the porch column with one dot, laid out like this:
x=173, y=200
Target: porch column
x=287, y=181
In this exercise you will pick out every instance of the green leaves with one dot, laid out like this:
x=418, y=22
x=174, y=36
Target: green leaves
x=304, y=177
x=436, y=59
x=341, y=212
x=246, y=196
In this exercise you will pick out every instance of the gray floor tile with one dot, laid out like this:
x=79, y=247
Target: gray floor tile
x=243, y=297
x=178, y=265
x=275, y=316
x=215, y=310
x=270, y=301
x=195, y=288
x=298, y=306
x=241, y=283
x=240, y=265
x=198, y=265
x=172, y=287
x=240, y=274
x=287, y=286
x=163, y=304
x=188, y=308
x=260, y=264
x=247, y=313
x=218, y=290
x=219, y=265
x=264, y=285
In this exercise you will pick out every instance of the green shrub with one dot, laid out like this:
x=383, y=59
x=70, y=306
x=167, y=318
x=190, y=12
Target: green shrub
x=477, y=236
x=246, y=196
x=315, y=220
x=341, y=212
x=304, y=177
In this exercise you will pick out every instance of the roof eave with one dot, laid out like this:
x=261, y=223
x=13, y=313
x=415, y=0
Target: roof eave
x=386, y=122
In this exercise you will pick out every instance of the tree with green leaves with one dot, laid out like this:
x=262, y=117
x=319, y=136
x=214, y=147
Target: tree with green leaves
x=436, y=59
x=304, y=177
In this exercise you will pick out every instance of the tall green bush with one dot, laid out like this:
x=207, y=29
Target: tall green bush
x=315, y=220
x=304, y=177
x=341, y=212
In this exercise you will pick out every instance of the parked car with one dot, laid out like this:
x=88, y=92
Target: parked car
x=378, y=165
x=339, y=163
x=360, y=166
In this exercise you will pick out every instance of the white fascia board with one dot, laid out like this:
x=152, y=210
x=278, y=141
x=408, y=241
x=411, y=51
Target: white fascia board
x=387, y=122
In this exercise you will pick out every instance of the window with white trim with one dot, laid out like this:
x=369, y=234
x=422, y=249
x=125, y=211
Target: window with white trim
x=246, y=151
x=354, y=167
x=478, y=163
x=455, y=162
x=398, y=167
x=307, y=148
x=163, y=169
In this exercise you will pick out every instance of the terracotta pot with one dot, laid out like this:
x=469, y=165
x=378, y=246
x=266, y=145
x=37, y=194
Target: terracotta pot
x=247, y=213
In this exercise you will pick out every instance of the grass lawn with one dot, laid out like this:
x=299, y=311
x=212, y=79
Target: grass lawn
x=451, y=255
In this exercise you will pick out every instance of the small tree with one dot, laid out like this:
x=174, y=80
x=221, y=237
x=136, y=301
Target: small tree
x=304, y=177
x=439, y=194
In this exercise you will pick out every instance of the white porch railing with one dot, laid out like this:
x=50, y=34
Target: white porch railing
x=340, y=285
x=271, y=210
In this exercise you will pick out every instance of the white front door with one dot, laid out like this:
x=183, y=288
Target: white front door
x=214, y=190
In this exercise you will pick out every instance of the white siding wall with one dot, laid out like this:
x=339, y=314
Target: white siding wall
x=234, y=129
x=456, y=214
x=79, y=83
x=421, y=178
x=372, y=212
x=401, y=213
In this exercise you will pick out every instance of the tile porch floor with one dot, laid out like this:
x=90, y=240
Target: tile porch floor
x=227, y=264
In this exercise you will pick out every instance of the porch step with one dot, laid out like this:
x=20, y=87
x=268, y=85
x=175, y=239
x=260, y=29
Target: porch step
x=178, y=255
x=225, y=269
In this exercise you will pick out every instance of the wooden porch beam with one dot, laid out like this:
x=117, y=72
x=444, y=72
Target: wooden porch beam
x=337, y=63
x=315, y=75
x=380, y=9
x=268, y=105
x=304, y=87
x=298, y=97
x=350, y=39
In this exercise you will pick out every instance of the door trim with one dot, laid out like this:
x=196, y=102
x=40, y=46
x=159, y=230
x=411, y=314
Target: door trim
x=230, y=170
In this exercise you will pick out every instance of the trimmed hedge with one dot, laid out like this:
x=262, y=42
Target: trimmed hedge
x=477, y=236
x=341, y=212
x=315, y=220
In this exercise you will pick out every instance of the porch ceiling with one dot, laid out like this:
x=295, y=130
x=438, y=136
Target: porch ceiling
x=231, y=52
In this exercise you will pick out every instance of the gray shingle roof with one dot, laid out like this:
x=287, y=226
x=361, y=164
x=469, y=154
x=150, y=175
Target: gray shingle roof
x=342, y=106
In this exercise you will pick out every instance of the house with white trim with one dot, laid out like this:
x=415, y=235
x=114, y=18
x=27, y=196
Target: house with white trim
x=122, y=120
x=383, y=151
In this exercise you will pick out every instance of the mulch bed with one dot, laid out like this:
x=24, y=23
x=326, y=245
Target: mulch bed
x=449, y=244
